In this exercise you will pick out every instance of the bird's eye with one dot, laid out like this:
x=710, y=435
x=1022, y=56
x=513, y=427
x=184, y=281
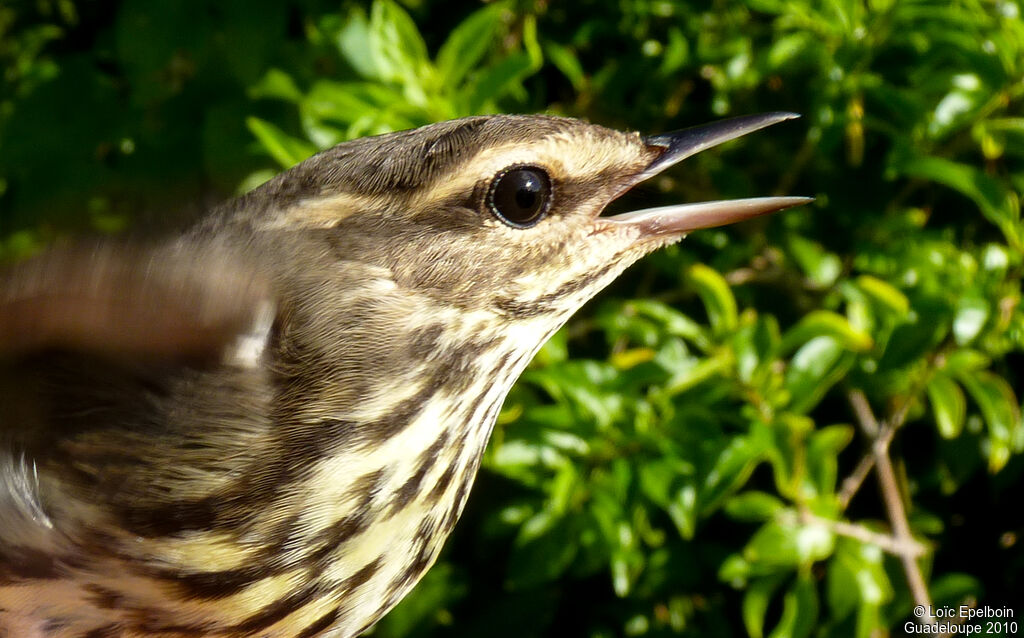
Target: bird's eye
x=520, y=196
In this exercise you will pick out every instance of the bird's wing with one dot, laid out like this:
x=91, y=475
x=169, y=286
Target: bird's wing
x=86, y=331
x=168, y=303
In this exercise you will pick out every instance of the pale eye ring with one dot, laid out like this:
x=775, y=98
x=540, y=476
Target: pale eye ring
x=520, y=196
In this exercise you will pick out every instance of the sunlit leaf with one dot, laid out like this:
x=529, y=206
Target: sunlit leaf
x=735, y=571
x=884, y=295
x=753, y=505
x=353, y=43
x=948, y=405
x=718, y=299
x=783, y=545
x=913, y=340
x=965, y=361
x=966, y=95
x=285, y=149
x=630, y=358
x=998, y=405
x=821, y=266
x=823, y=450
x=971, y=315
x=731, y=469
x=399, y=53
x=824, y=323
x=672, y=321
x=699, y=371
x=276, y=84
x=683, y=509
x=468, y=43
x=566, y=61
x=498, y=80
x=815, y=368
x=756, y=345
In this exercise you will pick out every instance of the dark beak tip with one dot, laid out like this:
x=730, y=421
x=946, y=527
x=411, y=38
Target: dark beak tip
x=745, y=123
x=681, y=144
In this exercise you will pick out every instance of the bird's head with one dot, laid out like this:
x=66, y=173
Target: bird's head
x=500, y=214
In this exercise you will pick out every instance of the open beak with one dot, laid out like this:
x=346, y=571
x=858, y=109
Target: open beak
x=680, y=219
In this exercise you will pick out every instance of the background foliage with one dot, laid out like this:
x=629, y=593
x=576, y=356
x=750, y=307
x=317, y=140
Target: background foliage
x=698, y=452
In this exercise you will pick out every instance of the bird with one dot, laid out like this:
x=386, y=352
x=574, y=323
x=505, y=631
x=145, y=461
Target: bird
x=266, y=424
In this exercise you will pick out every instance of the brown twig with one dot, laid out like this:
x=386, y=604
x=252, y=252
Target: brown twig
x=851, y=484
x=881, y=436
x=886, y=542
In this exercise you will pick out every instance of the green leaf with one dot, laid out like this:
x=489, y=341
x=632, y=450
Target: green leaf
x=566, y=61
x=656, y=480
x=814, y=543
x=799, y=610
x=353, y=43
x=841, y=584
x=702, y=370
x=857, y=584
x=755, y=604
x=468, y=43
x=884, y=295
x=778, y=544
x=823, y=455
x=285, y=149
x=913, y=340
x=999, y=407
x=399, y=51
x=815, y=368
x=498, y=80
x=953, y=589
x=277, y=84
x=997, y=203
x=555, y=350
x=735, y=570
x=254, y=180
x=753, y=506
x=672, y=321
x=971, y=315
x=677, y=52
x=958, y=105
x=755, y=346
x=821, y=266
x=530, y=42
x=626, y=565
x=544, y=557
x=787, y=48
x=718, y=299
x=340, y=102
x=948, y=404
x=1015, y=124
x=826, y=323
x=965, y=361
x=731, y=469
x=683, y=510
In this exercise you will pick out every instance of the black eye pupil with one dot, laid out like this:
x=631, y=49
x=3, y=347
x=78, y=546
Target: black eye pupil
x=526, y=195
x=520, y=196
